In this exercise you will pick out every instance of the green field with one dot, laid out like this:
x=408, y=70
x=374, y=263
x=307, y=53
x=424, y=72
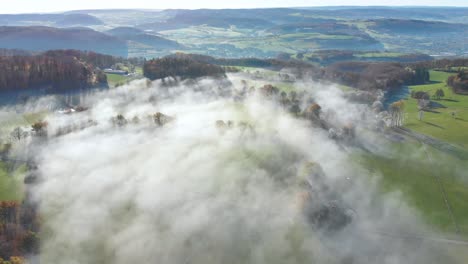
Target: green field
x=413, y=168
x=414, y=175
x=114, y=79
x=440, y=123
x=11, y=183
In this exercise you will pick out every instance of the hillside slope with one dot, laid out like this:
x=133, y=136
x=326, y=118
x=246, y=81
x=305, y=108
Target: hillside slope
x=48, y=38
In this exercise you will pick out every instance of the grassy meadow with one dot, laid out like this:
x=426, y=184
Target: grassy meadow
x=11, y=182
x=440, y=123
x=414, y=175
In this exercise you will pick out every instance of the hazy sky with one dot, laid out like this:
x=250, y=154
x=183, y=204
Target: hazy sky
x=22, y=6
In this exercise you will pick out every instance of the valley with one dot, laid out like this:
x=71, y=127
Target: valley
x=332, y=135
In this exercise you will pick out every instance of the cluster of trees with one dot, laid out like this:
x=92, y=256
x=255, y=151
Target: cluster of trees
x=292, y=102
x=459, y=82
x=327, y=57
x=371, y=76
x=18, y=231
x=443, y=64
x=362, y=75
x=158, y=118
x=420, y=95
x=181, y=67
x=56, y=72
x=95, y=59
x=276, y=64
x=38, y=129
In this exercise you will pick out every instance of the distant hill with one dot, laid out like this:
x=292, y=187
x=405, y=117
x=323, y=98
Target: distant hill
x=212, y=19
x=153, y=41
x=16, y=52
x=124, y=31
x=139, y=36
x=416, y=27
x=48, y=38
x=29, y=19
x=373, y=12
x=79, y=20
x=331, y=35
x=265, y=32
x=61, y=20
x=324, y=28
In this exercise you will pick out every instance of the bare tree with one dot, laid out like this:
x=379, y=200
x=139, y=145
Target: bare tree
x=18, y=134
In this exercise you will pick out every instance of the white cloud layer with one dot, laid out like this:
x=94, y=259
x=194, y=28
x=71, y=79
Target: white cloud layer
x=190, y=193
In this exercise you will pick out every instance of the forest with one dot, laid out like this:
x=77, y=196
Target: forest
x=19, y=226
x=95, y=59
x=184, y=68
x=459, y=82
x=369, y=76
x=50, y=71
x=361, y=75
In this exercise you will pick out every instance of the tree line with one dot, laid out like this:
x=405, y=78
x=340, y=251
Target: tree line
x=95, y=59
x=19, y=227
x=459, y=82
x=56, y=72
x=361, y=75
x=375, y=75
x=180, y=67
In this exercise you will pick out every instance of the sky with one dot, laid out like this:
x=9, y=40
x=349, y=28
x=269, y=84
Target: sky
x=37, y=6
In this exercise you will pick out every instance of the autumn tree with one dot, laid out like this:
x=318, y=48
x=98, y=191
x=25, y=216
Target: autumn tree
x=397, y=113
x=459, y=82
x=60, y=72
x=40, y=128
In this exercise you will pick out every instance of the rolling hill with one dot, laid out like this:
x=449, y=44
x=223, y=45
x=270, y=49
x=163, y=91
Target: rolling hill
x=416, y=27
x=40, y=38
x=122, y=31
x=79, y=20
x=139, y=36
x=212, y=19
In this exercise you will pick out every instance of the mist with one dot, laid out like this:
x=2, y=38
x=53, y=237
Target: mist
x=195, y=191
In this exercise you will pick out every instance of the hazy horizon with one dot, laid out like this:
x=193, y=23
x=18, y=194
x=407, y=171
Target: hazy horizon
x=54, y=6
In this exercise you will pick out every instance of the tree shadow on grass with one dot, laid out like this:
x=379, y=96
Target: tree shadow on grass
x=432, y=124
x=434, y=104
x=450, y=100
x=431, y=111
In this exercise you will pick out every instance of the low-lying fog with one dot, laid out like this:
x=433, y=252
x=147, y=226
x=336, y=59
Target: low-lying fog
x=262, y=186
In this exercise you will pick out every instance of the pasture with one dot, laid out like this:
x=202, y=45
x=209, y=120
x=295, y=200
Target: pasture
x=439, y=122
